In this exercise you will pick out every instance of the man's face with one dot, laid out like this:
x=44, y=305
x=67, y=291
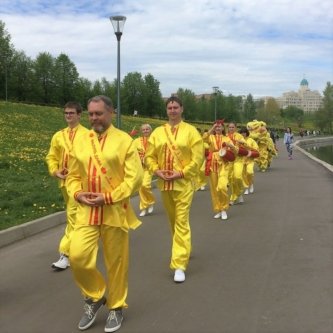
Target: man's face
x=174, y=111
x=72, y=117
x=100, y=118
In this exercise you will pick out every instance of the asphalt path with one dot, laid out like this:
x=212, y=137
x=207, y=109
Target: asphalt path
x=267, y=269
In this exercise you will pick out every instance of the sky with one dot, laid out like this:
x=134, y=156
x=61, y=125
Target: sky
x=257, y=47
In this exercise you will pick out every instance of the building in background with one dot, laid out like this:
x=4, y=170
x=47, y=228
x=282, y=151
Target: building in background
x=305, y=99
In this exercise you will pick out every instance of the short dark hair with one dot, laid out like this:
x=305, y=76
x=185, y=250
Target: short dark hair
x=174, y=99
x=74, y=105
x=244, y=130
x=105, y=99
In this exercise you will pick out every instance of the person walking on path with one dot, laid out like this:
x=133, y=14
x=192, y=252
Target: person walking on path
x=57, y=161
x=288, y=140
x=175, y=154
x=147, y=198
x=253, y=152
x=105, y=171
x=236, y=172
x=218, y=167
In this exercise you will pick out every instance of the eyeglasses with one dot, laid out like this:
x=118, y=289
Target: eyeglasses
x=71, y=113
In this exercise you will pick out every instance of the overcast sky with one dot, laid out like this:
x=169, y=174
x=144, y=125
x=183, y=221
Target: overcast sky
x=243, y=46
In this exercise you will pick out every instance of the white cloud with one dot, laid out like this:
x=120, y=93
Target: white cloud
x=243, y=46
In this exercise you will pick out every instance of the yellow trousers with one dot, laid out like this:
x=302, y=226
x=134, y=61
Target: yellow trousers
x=236, y=179
x=218, y=183
x=71, y=205
x=177, y=205
x=145, y=193
x=83, y=256
x=201, y=178
x=248, y=173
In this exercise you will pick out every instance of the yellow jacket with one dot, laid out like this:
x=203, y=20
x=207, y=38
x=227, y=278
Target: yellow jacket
x=182, y=151
x=61, y=144
x=108, y=165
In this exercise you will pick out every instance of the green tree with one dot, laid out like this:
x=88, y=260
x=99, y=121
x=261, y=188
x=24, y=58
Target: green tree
x=189, y=102
x=109, y=89
x=231, y=112
x=97, y=88
x=294, y=114
x=6, y=54
x=133, y=94
x=66, y=79
x=83, y=91
x=324, y=117
x=203, y=108
x=269, y=111
x=44, y=78
x=249, y=108
x=21, y=77
x=154, y=105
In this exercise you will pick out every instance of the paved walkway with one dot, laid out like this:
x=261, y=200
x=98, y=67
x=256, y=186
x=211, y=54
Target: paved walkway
x=267, y=269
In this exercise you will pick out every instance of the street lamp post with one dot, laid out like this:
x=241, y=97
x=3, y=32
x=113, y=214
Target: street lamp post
x=118, y=23
x=216, y=89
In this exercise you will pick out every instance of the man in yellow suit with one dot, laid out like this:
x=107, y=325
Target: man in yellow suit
x=175, y=154
x=147, y=198
x=105, y=171
x=57, y=162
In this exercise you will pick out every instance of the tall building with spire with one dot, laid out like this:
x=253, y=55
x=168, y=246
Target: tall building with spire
x=305, y=99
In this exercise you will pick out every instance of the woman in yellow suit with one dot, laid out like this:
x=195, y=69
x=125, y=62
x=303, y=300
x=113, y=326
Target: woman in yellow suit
x=175, y=154
x=236, y=174
x=253, y=152
x=218, y=168
x=147, y=198
x=105, y=171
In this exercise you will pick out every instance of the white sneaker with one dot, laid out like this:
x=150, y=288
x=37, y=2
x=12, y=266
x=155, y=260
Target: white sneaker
x=240, y=199
x=150, y=209
x=246, y=192
x=251, y=188
x=217, y=216
x=179, y=275
x=224, y=215
x=62, y=263
x=143, y=213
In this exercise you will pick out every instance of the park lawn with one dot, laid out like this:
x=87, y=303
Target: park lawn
x=27, y=191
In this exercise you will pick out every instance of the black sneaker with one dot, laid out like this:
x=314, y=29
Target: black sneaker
x=90, y=311
x=114, y=320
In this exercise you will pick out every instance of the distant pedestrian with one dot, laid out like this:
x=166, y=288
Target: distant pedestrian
x=288, y=141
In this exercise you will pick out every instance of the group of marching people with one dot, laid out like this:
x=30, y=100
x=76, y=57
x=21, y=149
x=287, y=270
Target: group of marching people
x=230, y=159
x=100, y=169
